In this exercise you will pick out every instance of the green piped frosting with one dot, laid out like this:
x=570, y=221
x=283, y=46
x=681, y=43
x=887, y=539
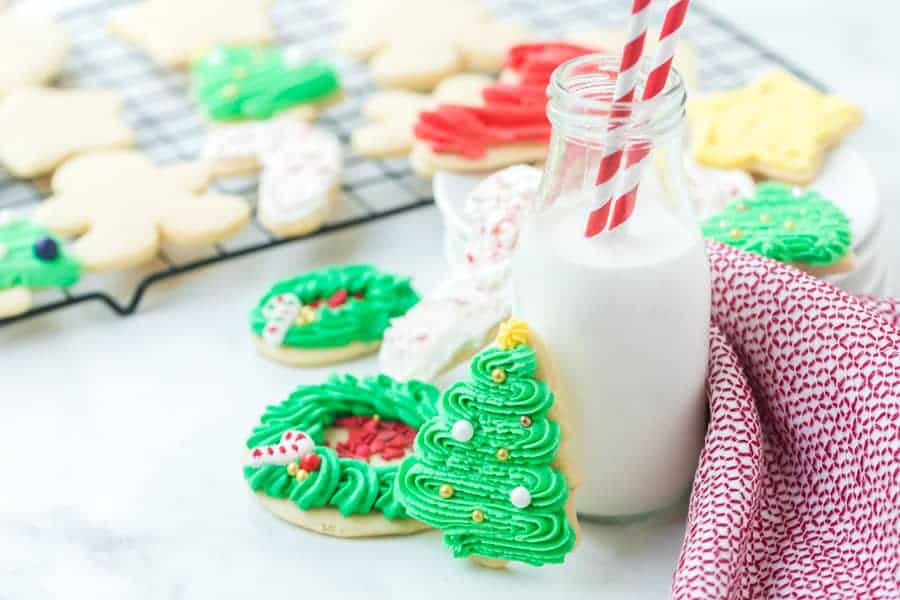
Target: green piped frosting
x=19, y=266
x=352, y=486
x=257, y=82
x=537, y=534
x=786, y=225
x=385, y=297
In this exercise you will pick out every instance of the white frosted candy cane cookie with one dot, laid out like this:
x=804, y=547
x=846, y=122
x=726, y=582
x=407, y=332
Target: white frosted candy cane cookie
x=443, y=330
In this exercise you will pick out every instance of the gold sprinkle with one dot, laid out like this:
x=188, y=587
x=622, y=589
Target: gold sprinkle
x=446, y=491
x=765, y=219
x=736, y=234
x=478, y=516
x=292, y=469
x=790, y=225
x=302, y=474
x=308, y=314
x=498, y=375
x=229, y=91
x=742, y=207
x=503, y=455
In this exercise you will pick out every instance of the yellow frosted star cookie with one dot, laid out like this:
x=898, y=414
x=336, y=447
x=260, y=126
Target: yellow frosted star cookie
x=778, y=127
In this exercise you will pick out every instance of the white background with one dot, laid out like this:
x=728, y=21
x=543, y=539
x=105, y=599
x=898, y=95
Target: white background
x=120, y=440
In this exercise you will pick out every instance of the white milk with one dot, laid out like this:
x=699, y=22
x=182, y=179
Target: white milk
x=625, y=318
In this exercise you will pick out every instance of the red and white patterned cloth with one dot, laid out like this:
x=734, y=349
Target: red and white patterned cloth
x=797, y=494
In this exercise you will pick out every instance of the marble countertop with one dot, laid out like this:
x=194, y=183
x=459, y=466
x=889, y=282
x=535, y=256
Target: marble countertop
x=121, y=438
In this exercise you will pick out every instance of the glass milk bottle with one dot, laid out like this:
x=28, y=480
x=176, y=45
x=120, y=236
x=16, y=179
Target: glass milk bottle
x=624, y=316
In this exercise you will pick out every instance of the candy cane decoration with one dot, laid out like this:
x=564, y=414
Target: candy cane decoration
x=293, y=445
x=280, y=312
x=624, y=93
x=620, y=207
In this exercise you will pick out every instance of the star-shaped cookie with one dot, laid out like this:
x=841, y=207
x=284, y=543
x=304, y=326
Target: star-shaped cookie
x=414, y=44
x=778, y=127
x=174, y=31
x=42, y=127
x=123, y=206
x=33, y=50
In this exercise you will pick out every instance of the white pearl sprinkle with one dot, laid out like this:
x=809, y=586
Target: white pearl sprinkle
x=520, y=497
x=462, y=431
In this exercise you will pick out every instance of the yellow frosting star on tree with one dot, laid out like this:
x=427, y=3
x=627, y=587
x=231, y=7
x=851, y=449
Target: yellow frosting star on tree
x=778, y=127
x=513, y=332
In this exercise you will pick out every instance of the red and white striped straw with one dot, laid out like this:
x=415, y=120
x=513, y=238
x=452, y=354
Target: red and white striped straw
x=618, y=208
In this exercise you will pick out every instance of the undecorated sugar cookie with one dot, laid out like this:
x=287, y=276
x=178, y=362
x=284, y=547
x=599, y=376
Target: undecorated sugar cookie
x=30, y=258
x=414, y=44
x=393, y=113
x=249, y=82
x=329, y=315
x=33, y=49
x=444, y=329
x=42, y=127
x=485, y=469
x=326, y=458
x=123, y=206
x=790, y=225
x=173, y=31
x=777, y=127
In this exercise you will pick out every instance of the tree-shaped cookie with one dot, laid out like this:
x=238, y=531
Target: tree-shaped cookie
x=245, y=82
x=30, y=258
x=42, y=127
x=174, y=31
x=484, y=469
x=123, y=206
x=789, y=225
x=392, y=114
x=778, y=127
x=34, y=50
x=414, y=44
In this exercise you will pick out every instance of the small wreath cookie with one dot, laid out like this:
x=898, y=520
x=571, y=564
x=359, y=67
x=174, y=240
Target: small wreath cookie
x=30, y=258
x=257, y=83
x=327, y=457
x=330, y=315
x=797, y=227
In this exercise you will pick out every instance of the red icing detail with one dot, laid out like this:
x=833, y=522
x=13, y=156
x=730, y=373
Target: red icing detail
x=338, y=298
x=358, y=295
x=257, y=453
x=534, y=63
x=269, y=451
x=311, y=462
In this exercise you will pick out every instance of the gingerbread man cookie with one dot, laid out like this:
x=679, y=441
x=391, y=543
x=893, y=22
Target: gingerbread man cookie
x=173, y=32
x=33, y=50
x=414, y=44
x=123, y=207
x=30, y=258
x=392, y=114
x=42, y=127
x=778, y=127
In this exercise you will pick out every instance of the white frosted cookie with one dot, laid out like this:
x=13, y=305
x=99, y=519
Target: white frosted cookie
x=711, y=190
x=33, y=49
x=300, y=182
x=443, y=330
x=393, y=113
x=174, y=31
x=42, y=127
x=414, y=44
x=123, y=207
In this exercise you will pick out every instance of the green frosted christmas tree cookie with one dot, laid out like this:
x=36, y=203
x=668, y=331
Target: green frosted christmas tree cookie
x=330, y=315
x=787, y=224
x=30, y=258
x=327, y=457
x=486, y=470
x=239, y=82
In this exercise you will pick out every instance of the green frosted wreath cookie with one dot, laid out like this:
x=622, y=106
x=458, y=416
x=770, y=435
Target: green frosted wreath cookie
x=30, y=258
x=486, y=470
x=330, y=315
x=327, y=457
x=239, y=82
x=787, y=224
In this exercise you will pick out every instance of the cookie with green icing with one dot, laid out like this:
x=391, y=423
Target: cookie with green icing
x=794, y=226
x=330, y=315
x=327, y=457
x=240, y=82
x=31, y=258
x=487, y=470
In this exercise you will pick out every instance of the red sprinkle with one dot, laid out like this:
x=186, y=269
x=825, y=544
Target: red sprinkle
x=368, y=436
x=338, y=298
x=311, y=462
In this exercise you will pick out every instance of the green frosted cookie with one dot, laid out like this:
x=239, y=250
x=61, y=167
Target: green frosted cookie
x=239, y=82
x=483, y=468
x=344, y=487
x=30, y=257
x=787, y=224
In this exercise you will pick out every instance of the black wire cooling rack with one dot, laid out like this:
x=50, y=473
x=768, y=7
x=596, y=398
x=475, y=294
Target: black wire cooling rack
x=169, y=128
